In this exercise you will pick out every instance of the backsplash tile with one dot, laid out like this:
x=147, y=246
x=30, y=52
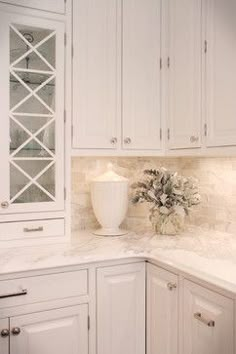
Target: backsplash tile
x=216, y=176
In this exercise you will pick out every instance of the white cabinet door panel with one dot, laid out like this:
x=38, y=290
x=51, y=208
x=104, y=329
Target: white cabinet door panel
x=185, y=51
x=221, y=73
x=95, y=73
x=208, y=321
x=162, y=311
x=141, y=74
x=4, y=341
x=121, y=309
x=61, y=331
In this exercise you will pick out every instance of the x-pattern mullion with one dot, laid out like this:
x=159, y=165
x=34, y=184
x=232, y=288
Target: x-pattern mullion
x=32, y=180
x=32, y=92
x=33, y=48
x=32, y=136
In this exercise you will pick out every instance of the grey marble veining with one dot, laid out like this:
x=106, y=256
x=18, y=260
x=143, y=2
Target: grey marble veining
x=209, y=255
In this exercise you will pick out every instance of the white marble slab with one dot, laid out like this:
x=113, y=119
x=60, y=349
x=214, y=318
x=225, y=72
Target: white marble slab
x=208, y=255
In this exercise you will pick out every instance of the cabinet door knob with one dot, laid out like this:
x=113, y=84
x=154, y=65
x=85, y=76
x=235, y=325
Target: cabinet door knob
x=5, y=333
x=15, y=331
x=113, y=140
x=4, y=205
x=127, y=140
x=194, y=139
x=171, y=286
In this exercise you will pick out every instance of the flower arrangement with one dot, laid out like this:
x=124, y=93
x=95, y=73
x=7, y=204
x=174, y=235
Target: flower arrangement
x=171, y=197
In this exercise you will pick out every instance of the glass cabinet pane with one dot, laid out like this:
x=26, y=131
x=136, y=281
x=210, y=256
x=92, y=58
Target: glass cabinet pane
x=32, y=114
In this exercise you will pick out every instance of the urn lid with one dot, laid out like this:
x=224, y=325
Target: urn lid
x=110, y=176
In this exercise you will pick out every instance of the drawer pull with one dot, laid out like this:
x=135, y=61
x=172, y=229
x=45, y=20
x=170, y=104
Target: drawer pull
x=37, y=229
x=23, y=292
x=199, y=317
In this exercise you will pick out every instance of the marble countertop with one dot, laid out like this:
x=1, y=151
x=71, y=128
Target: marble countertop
x=208, y=255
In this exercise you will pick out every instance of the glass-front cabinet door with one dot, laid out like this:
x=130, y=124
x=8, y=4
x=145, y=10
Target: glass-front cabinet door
x=32, y=110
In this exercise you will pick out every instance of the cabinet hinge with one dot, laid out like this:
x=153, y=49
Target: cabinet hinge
x=64, y=116
x=205, y=129
x=160, y=134
x=65, y=39
x=168, y=62
x=168, y=134
x=205, y=46
x=160, y=63
x=64, y=193
x=88, y=322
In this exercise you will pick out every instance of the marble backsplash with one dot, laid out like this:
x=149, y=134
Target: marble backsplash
x=217, y=182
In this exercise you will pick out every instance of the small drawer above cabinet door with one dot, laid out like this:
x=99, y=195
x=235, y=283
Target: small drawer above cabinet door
x=22, y=291
x=57, y=6
x=25, y=230
x=208, y=326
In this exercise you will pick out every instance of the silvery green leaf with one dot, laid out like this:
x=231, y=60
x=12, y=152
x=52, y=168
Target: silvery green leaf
x=164, y=210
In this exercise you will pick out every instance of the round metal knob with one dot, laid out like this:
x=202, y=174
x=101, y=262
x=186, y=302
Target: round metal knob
x=113, y=141
x=171, y=286
x=5, y=333
x=5, y=205
x=15, y=331
x=127, y=140
x=194, y=139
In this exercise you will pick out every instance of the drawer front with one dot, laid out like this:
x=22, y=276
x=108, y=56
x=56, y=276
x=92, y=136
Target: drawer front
x=30, y=290
x=32, y=229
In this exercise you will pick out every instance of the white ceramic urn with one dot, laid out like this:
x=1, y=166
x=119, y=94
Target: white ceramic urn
x=109, y=193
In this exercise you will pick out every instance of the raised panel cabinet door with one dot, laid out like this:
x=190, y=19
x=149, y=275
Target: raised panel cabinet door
x=4, y=336
x=32, y=113
x=121, y=309
x=208, y=317
x=61, y=331
x=96, y=67
x=57, y=6
x=221, y=73
x=141, y=74
x=162, y=311
x=184, y=74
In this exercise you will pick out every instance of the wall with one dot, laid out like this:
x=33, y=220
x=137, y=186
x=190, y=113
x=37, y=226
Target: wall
x=217, y=181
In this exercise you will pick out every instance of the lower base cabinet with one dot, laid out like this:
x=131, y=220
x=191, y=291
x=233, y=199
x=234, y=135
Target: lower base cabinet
x=60, y=331
x=121, y=309
x=208, y=326
x=162, y=311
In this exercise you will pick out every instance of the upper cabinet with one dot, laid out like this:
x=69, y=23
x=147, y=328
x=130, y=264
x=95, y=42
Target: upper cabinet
x=32, y=106
x=96, y=68
x=141, y=82
x=184, y=73
x=57, y=6
x=220, y=73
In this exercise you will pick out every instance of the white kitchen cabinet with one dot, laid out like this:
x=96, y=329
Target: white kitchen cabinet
x=162, y=311
x=4, y=336
x=57, y=6
x=96, y=69
x=121, y=309
x=220, y=73
x=141, y=74
x=208, y=326
x=184, y=74
x=61, y=331
x=32, y=111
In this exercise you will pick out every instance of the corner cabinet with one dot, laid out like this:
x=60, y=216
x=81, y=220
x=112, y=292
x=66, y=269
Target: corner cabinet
x=121, y=309
x=32, y=112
